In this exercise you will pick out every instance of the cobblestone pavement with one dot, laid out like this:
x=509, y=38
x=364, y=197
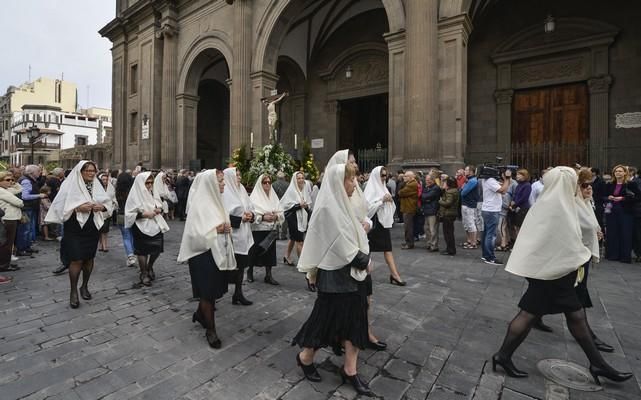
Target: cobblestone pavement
x=441, y=330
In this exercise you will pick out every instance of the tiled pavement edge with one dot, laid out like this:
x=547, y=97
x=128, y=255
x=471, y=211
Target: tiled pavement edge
x=441, y=330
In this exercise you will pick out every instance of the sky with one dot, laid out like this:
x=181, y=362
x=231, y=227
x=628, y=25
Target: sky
x=56, y=37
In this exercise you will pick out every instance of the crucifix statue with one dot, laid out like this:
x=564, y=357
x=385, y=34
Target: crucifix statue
x=272, y=116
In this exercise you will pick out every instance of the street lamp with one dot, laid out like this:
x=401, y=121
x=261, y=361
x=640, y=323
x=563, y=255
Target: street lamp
x=33, y=133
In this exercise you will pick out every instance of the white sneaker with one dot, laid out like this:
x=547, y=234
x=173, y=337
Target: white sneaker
x=131, y=261
x=14, y=258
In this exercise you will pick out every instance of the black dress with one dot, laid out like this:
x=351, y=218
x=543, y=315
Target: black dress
x=551, y=297
x=266, y=259
x=145, y=245
x=292, y=225
x=79, y=243
x=337, y=315
x=380, y=239
x=207, y=281
x=582, y=288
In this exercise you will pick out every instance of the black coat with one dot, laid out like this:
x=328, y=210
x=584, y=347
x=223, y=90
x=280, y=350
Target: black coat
x=429, y=199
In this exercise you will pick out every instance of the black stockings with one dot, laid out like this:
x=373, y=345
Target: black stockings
x=517, y=331
x=520, y=327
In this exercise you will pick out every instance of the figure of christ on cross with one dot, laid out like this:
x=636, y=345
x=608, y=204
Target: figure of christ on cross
x=272, y=116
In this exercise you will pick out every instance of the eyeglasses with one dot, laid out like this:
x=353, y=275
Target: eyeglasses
x=149, y=183
x=383, y=175
x=585, y=185
x=9, y=179
x=267, y=183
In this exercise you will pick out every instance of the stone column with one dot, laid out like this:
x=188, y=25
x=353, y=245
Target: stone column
x=503, y=100
x=240, y=90
x=262, y=83
x=168, y=31
x=421, y=138
x=396, y=97
x=599, y=103
x=187, y=110
x=452, y=77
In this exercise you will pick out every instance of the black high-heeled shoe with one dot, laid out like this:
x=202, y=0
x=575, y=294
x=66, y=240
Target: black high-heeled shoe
x=508, y=367
x=378, y=346
x=74, y=302
x=198, y=317
x=396, y=282
x=612, y=375
x=212, y=339
x=84, y=293
x=357, y=383
x=310, y=286
x=152, y=274
x=310, y=371
x=240, y=300
x=287, y=262
x=270, y=280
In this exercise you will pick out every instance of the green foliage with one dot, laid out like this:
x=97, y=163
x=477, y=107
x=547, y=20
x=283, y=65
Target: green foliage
x=307, y=164
x=50, y=166
x=240, y=159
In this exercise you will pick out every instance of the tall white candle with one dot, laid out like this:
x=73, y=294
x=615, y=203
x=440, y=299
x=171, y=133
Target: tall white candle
x=251, y=140
x=295, y=141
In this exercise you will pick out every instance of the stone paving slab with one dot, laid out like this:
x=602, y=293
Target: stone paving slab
x=441, y=330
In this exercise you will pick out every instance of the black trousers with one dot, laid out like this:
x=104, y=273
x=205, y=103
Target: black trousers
x=619, y=229
x=636, y=244
x=448, y=234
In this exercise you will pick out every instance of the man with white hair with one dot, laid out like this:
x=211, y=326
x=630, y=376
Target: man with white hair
x=31, y=196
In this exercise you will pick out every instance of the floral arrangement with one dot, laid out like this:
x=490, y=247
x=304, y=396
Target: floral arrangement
x=241, y=160
x=307, y=164
x=270, y=159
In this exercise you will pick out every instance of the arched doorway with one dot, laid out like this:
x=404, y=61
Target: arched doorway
x=317, y=43
x=212, y=120
x=203, y=103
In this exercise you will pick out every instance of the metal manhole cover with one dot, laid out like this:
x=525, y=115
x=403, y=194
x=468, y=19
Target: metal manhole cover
x=568, y=374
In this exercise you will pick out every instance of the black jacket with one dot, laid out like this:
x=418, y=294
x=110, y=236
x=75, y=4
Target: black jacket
x=340, y=280
x=430, y=198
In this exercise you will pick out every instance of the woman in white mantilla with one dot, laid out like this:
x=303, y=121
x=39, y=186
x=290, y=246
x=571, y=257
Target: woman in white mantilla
x=143, y=215
x=79, y=206
x=296, y=202
x=208, y=248
x=549, y=252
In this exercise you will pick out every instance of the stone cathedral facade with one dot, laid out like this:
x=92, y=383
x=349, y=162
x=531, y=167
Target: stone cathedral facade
x=409, y=83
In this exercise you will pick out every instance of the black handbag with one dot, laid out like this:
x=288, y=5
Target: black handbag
x=266, y=243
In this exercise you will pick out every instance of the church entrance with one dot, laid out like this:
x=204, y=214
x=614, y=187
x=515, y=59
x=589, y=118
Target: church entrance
x=550, y=126
x=213, y=124
x=363, y=127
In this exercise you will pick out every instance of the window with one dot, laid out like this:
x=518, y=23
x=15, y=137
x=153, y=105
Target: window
x=133, y=79
x=133, y=127
x=81, y=140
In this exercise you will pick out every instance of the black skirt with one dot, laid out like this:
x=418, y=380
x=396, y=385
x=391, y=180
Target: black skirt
x=292, y=227
x=105, y=226
x=268, y=258
x=551, y=297
x=335, y=317
x=582, y=288
x=79, y=243
x=380, y=239
x=145, y=245
x=207, y=281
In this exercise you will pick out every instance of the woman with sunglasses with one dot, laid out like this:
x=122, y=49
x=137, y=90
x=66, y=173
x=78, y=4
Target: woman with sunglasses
x=143, y=214
x=549, y=253
x=591, y=234
x=269, y=216
x=12, y=207
x=79, y=205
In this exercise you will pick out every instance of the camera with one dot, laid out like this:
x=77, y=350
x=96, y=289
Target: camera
x=495, y=170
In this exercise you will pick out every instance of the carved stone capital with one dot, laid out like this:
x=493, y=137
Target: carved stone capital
x=504, y=96
x=167, y=30
x=600, y=84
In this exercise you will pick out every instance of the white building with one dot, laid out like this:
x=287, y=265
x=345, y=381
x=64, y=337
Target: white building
x=56, y=130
